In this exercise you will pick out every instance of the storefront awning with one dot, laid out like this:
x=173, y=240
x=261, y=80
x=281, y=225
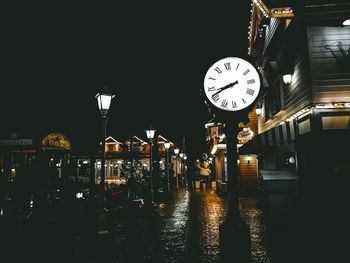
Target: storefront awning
x=283, y=134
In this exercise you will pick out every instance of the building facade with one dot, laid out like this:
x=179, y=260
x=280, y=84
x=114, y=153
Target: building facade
x=302, y=51
x=247, y=163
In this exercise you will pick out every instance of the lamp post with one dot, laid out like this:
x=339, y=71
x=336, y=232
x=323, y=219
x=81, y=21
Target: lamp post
x=234, y=233
x=167, y=147
x=150, y=136
x=104, y=99
x=176, y=151
x=185, y=170
x=181, y=154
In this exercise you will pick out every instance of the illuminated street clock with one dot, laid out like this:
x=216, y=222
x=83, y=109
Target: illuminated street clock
x=232, y=84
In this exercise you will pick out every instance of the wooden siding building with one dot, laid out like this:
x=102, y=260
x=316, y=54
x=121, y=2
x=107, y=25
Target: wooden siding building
x=247, y=163
x=304, y=123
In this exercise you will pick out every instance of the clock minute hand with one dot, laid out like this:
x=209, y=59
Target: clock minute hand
x=226, y=87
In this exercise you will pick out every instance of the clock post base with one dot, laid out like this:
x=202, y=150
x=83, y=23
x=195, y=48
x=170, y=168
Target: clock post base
x=235, y=242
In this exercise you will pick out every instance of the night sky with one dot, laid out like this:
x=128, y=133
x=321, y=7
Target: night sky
x=152, y=56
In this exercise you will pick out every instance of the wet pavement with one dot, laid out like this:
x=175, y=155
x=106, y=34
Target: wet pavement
x=185, y=228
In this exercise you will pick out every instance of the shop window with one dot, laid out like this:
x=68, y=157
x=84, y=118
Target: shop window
x=304, y=126
x=336, y=122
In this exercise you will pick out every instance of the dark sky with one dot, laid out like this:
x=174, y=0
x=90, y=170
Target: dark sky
x=152, y=56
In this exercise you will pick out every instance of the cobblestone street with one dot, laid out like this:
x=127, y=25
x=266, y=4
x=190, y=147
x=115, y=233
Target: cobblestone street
x=185, y=228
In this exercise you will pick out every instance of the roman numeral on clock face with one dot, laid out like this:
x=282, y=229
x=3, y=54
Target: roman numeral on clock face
x=212, y=78
x=211, y=88
x=215, y=97
x=244, y=101
x=224, y=103
x=218, y=70
x=250, y=81
x=237, y=66
x=234, y=104
x=228, y=66
x=250, y=91
x=246, y=72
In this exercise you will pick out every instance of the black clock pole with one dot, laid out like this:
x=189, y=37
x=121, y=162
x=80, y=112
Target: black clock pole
x=234, y=234
x=239, y=87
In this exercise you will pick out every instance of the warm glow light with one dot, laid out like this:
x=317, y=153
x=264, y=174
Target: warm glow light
x=117, y=181
x=104, y=101
x=287, y=78
x=213, y=151
x=299, y=114
x=245, y=135
x=220, y=146
x=258, y=111
x=176, y=151
x=150, y=133
x=167, y=145
x=181, y=155
x=346, y=22
x=249, y=158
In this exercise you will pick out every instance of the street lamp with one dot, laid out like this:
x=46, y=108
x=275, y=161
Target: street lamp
x=167, y=147
x=287, y=78
x=181, y=154
x=184, y=178
x=104, y=99
x=150, y=136
x=176, y=151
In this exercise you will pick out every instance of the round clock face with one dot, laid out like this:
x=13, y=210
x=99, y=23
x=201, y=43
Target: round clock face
x=232, y=84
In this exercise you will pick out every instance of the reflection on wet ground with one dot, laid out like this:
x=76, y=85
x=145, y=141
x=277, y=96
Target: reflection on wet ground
x=252, y=215
x=186, y=229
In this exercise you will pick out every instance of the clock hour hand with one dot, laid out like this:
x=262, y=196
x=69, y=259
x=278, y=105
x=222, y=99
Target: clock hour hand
x=225, y=87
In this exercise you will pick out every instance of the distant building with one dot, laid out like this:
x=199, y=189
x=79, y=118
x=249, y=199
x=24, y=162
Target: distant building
x=247, y=163
x=123, y=159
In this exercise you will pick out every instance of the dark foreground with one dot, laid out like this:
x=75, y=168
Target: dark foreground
x=182, y=229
